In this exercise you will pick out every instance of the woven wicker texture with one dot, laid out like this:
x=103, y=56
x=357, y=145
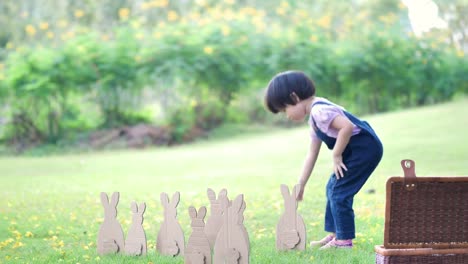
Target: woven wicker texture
x=434, y=212
x=428, y=259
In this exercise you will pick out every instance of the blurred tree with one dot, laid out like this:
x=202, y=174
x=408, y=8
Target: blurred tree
x=455, y=14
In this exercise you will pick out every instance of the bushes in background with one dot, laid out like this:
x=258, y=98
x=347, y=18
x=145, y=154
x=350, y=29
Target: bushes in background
x=196, y=73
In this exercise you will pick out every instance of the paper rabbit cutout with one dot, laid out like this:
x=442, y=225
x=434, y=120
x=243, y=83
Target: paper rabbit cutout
x=110, y=238
x=198, y=250
x=290, y=231
x=135, y=244
x=231, y=244
x=170, y=239
x=215, y=220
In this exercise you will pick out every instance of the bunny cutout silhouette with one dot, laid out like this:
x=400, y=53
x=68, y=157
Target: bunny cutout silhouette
x=135, y=244
x=198, y=250
x=290, y=230
x=110, y=237
x=170, y=239
x=215, y=220
x=231, y=244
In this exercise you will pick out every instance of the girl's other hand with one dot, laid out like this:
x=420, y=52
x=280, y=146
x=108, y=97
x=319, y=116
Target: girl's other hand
x=338, y=166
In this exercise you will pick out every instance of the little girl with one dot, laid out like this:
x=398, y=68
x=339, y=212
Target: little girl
x=355, y=146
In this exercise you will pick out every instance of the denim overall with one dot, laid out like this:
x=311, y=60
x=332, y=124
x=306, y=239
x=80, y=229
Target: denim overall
x=361, y=156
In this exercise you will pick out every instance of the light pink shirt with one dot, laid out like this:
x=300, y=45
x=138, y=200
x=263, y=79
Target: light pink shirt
x=324, y=115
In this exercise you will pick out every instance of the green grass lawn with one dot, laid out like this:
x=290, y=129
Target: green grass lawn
x=50, y=208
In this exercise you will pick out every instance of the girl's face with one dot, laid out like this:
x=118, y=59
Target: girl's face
x=296, y=112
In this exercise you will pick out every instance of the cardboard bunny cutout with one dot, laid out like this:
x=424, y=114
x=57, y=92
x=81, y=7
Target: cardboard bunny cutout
x=231, y=244
x=290, y=230
x=198, y=250
x=170, y=239
x=135, y=244
x=110, y=238
x=215, y=220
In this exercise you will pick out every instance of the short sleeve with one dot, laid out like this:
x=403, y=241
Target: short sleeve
x=323, y=115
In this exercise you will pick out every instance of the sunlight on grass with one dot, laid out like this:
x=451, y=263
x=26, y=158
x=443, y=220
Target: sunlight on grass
x=51, y=209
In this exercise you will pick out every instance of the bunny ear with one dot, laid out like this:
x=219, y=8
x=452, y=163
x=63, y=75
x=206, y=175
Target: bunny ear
x=222, y=193
x=243, y=206
x=134, y=207
x=211, y=194
x=201, y=212
x=224, y=202
x=142, y=208
x=175, y=199
x=164, y=199
x=104, y=199
x=237, y=203
x=115, y=199
x=285, y=191
x=295, y=191
x=192, y=212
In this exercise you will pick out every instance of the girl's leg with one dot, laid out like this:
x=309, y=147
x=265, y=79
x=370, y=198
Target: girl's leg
x=362, y=161
x=329, y=219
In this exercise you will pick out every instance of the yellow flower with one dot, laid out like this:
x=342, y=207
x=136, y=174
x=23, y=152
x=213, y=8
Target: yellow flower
x=460, y=53
x=17, y=244
x=208, y=50
x=229, y=2
x=324, y=21
x=157, y=3
x=43, y=25
x=50, y=34
x=17, y=234
x=28, y=234
x=201, y=2
x=62, y=23
x=172, y=16
x=30, y=30
x=301, y=13
x=9, y=45
x=79, y=13
x=280, y=11
x=157, y=35
x=124, y=13
x=162, y=3
x=313, y=38
x=139, y=36
x=284, y=4
x=226, y=30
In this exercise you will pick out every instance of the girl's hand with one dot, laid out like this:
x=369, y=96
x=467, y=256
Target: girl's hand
x=300, y=191
x=338, y=166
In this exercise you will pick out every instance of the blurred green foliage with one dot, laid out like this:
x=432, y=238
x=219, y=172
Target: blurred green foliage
x=206, y=63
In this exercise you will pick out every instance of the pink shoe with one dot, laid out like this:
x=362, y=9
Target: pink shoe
x=338, y=244
x=322, y=242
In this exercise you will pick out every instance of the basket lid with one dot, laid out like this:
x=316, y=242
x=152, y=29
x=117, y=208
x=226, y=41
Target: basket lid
x=426, y=212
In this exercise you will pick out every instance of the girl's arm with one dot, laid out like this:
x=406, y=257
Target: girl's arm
x=345, y=130
x=309, y=163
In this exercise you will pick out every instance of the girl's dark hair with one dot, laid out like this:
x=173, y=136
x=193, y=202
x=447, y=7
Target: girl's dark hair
x=281, y=87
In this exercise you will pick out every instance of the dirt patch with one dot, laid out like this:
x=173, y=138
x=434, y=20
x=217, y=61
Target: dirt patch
x=138, y=136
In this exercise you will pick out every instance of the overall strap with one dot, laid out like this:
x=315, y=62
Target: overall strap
x=363, y=125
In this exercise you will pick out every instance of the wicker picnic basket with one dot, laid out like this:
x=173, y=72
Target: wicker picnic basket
x=426, y=219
